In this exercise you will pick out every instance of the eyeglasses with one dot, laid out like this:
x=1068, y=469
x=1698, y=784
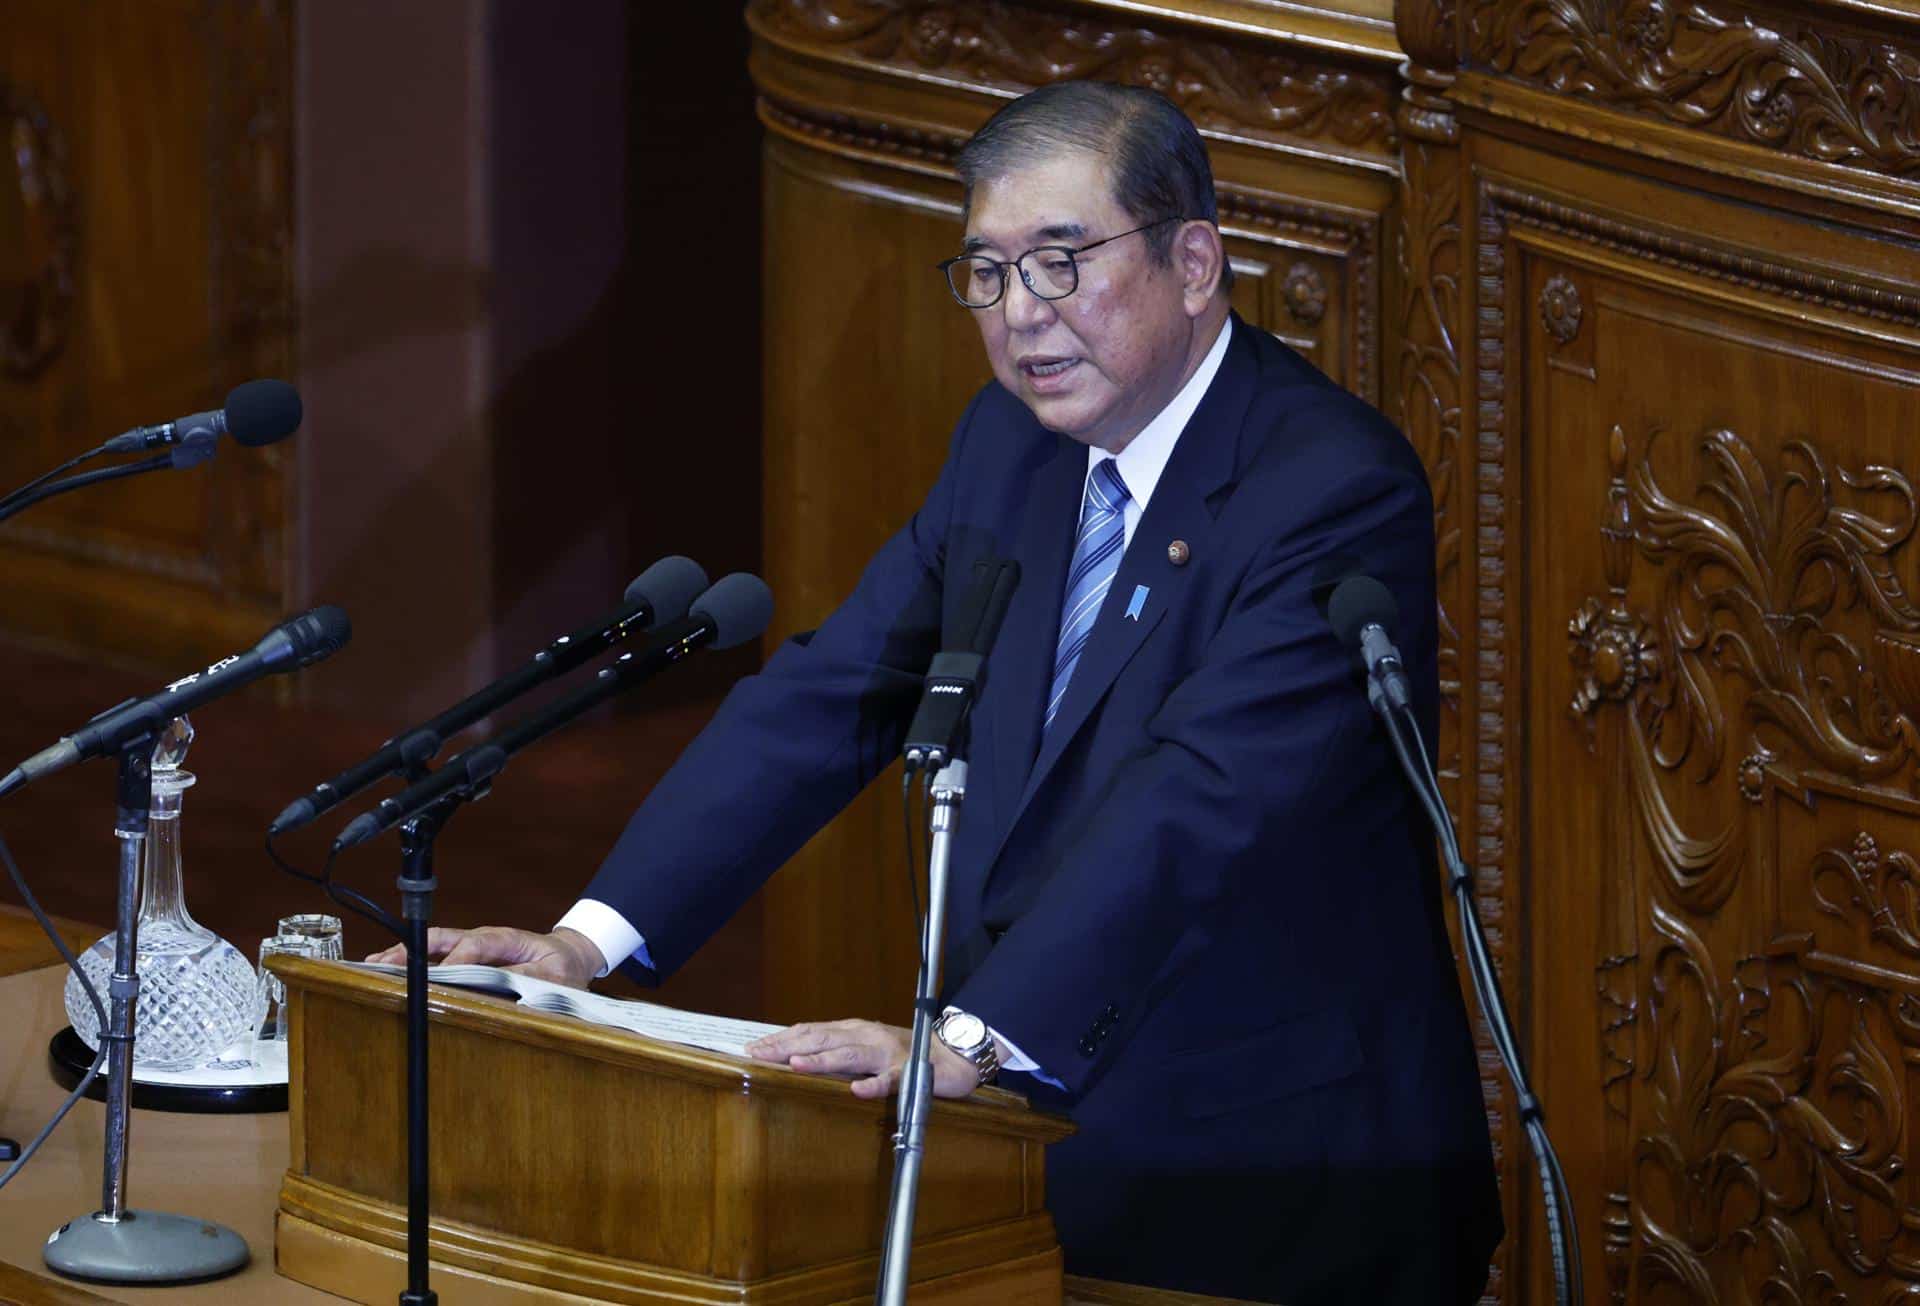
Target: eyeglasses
x=1049, y=271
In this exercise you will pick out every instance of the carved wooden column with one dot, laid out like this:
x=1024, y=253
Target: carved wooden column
x=1429, y=400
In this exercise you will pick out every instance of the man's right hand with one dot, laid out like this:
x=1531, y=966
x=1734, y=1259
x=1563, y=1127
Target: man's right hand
x=563, y=957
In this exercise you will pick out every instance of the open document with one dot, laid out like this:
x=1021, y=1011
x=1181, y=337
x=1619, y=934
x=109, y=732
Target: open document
x=648, y=1019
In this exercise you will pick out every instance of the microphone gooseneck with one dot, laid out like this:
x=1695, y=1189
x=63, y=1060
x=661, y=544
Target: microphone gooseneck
x=734, y=610
x=256, y=413
x=660, y=593
x=295, y=643
x=1361, y=611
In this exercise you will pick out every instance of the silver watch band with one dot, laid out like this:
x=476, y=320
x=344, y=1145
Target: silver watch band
x=984, y=1054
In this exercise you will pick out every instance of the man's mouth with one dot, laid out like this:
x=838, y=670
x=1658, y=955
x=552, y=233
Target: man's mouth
x=1042, y=365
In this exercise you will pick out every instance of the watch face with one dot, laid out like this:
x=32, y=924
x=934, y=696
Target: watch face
x=962, y=1030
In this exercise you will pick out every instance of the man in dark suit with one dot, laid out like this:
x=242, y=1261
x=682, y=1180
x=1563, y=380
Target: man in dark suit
x=1193, y=903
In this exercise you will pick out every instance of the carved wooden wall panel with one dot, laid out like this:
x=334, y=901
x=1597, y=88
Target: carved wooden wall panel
x=145, y=232
x=870, y=362
x=1696, y=597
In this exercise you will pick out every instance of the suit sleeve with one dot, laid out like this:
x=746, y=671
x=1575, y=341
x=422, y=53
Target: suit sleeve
x=1234, y=769
x=788, y=748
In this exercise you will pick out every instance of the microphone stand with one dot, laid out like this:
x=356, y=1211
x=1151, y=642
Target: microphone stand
x=417, y=884
x=948, y=789
x=115, y=1243
x=1563, y=1240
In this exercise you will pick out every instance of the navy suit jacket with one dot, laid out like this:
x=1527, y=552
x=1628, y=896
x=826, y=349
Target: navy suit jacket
x=1203, y=900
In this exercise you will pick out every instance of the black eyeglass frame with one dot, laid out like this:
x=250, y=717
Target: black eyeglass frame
x=1003, y=264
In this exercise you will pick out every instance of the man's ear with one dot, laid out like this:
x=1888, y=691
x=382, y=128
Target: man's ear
x=1201, y=260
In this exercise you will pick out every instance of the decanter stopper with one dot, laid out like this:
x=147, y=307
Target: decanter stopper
x=170, y=749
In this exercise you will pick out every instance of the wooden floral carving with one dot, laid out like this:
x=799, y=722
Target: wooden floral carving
x=1753, y=580
x=1779, y=1098
x=1719, y=67
x=1246, y=88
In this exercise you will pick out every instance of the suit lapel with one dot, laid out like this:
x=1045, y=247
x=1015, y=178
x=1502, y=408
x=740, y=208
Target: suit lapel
x=1203, y=462
x=1023, y=656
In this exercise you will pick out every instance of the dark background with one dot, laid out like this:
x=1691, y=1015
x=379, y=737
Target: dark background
x=522, y=245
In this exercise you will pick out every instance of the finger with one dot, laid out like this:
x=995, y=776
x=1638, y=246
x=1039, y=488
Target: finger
x=443, y=939
x=802, y=1038
x=845, y=1059
x=438, y=941
x=880, y=1085
x=550, y=968
x=482, y=947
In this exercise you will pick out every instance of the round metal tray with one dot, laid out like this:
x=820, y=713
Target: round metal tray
x=68, y=1058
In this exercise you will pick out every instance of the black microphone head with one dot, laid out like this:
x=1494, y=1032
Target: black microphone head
x=261, y=412
x=317, y=634
x=1358, y=602
x=739, y=605
x=669, y=587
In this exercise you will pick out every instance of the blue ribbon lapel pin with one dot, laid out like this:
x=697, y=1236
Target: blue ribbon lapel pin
x=1137, y=603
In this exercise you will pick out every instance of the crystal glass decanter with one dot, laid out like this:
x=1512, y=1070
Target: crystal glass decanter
x=197, y=991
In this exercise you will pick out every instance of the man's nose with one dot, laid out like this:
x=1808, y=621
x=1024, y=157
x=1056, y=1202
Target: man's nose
x=1025, y=310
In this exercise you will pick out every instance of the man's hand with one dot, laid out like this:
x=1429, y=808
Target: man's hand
x=564, y=957
x=877, y=1053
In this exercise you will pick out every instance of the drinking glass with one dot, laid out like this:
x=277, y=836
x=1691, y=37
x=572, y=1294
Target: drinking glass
x=317, y=926
x=270, y=1004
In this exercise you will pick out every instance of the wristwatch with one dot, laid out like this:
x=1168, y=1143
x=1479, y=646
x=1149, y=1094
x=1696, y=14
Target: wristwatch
x=968, y=1035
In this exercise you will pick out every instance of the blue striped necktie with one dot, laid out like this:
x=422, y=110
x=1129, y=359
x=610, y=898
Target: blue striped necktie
x=1096, y=558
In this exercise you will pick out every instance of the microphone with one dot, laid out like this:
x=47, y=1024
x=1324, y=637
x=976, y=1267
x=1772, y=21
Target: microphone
x=957, y=674
x=735, y=610
x=660, y=593
x=1361, y=609
x=292, y=644
x=256, y=413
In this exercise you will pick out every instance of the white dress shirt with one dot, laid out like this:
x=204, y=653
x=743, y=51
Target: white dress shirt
x=1140, y=466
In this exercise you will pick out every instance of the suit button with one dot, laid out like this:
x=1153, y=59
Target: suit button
x=1088, y=1047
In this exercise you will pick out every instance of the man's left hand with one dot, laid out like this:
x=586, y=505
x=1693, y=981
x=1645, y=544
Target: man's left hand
x=876, y=1053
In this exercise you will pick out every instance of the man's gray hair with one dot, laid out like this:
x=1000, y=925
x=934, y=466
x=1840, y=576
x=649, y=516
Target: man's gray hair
x=1158, y=164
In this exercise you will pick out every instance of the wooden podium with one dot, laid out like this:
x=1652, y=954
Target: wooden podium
x=573, y=1162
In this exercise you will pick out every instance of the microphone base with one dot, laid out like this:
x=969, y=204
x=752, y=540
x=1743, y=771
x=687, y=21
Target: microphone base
x=145, y=1247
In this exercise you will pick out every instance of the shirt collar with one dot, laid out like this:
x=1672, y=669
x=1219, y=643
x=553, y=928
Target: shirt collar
x=1145, y=457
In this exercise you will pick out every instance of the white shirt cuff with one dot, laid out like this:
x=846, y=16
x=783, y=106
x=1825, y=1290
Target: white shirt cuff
x=1018, y=1060
x=610, y=932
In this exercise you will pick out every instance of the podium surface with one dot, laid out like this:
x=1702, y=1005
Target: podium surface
x=572, y=1161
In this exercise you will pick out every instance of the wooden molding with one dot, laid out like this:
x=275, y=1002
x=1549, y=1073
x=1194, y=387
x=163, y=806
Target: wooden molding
x=1786, y=82
x=1428, y=32
x=1231, y=87
x=1353, y=238
x=1852, y=295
